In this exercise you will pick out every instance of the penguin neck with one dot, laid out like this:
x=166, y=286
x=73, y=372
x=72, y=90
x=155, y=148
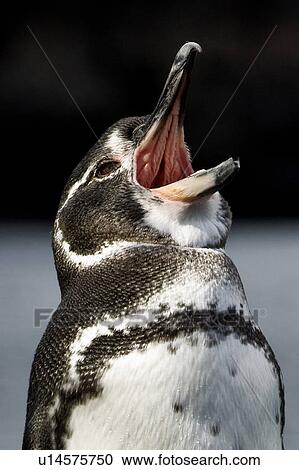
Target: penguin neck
x=150, y=276
x=72, y=259
x=204, y=224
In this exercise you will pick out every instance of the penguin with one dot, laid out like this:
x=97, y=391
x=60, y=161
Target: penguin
x=153, y=345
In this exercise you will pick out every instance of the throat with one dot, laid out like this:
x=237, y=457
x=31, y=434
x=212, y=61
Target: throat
x=205, y=224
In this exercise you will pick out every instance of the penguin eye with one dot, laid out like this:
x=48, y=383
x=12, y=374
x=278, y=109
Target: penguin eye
x=106, y=168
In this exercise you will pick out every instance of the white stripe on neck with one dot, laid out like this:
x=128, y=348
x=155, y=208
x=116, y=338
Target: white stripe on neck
x=86, y=261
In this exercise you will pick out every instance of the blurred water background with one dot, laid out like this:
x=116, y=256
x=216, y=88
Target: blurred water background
x=266, y=254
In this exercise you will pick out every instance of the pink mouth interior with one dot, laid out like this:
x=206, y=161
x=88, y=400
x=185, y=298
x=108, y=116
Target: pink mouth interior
x=163, y=158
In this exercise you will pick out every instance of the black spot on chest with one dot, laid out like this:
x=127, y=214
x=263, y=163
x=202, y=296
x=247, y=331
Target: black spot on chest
x=172, y=349
x=178, y=407
x=215, y=429
x=233, y=371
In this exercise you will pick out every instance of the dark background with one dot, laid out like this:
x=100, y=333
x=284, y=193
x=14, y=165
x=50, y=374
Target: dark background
x=114, y=60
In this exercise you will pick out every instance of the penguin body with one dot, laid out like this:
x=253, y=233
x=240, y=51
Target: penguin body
x=152, y=345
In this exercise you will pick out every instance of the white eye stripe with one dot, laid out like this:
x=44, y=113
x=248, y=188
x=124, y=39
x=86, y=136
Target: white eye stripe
x=77, y=185
x=118, y=145
x=84, y=180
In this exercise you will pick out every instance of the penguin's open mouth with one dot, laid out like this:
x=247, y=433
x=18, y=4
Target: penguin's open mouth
x=162, y=159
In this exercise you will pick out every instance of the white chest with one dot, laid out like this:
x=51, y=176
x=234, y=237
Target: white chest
x=183, y=395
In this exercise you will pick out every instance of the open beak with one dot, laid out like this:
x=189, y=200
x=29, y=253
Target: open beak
x=162, y=160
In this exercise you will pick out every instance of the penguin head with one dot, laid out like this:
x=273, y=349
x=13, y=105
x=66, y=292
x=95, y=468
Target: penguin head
x=137, y=184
